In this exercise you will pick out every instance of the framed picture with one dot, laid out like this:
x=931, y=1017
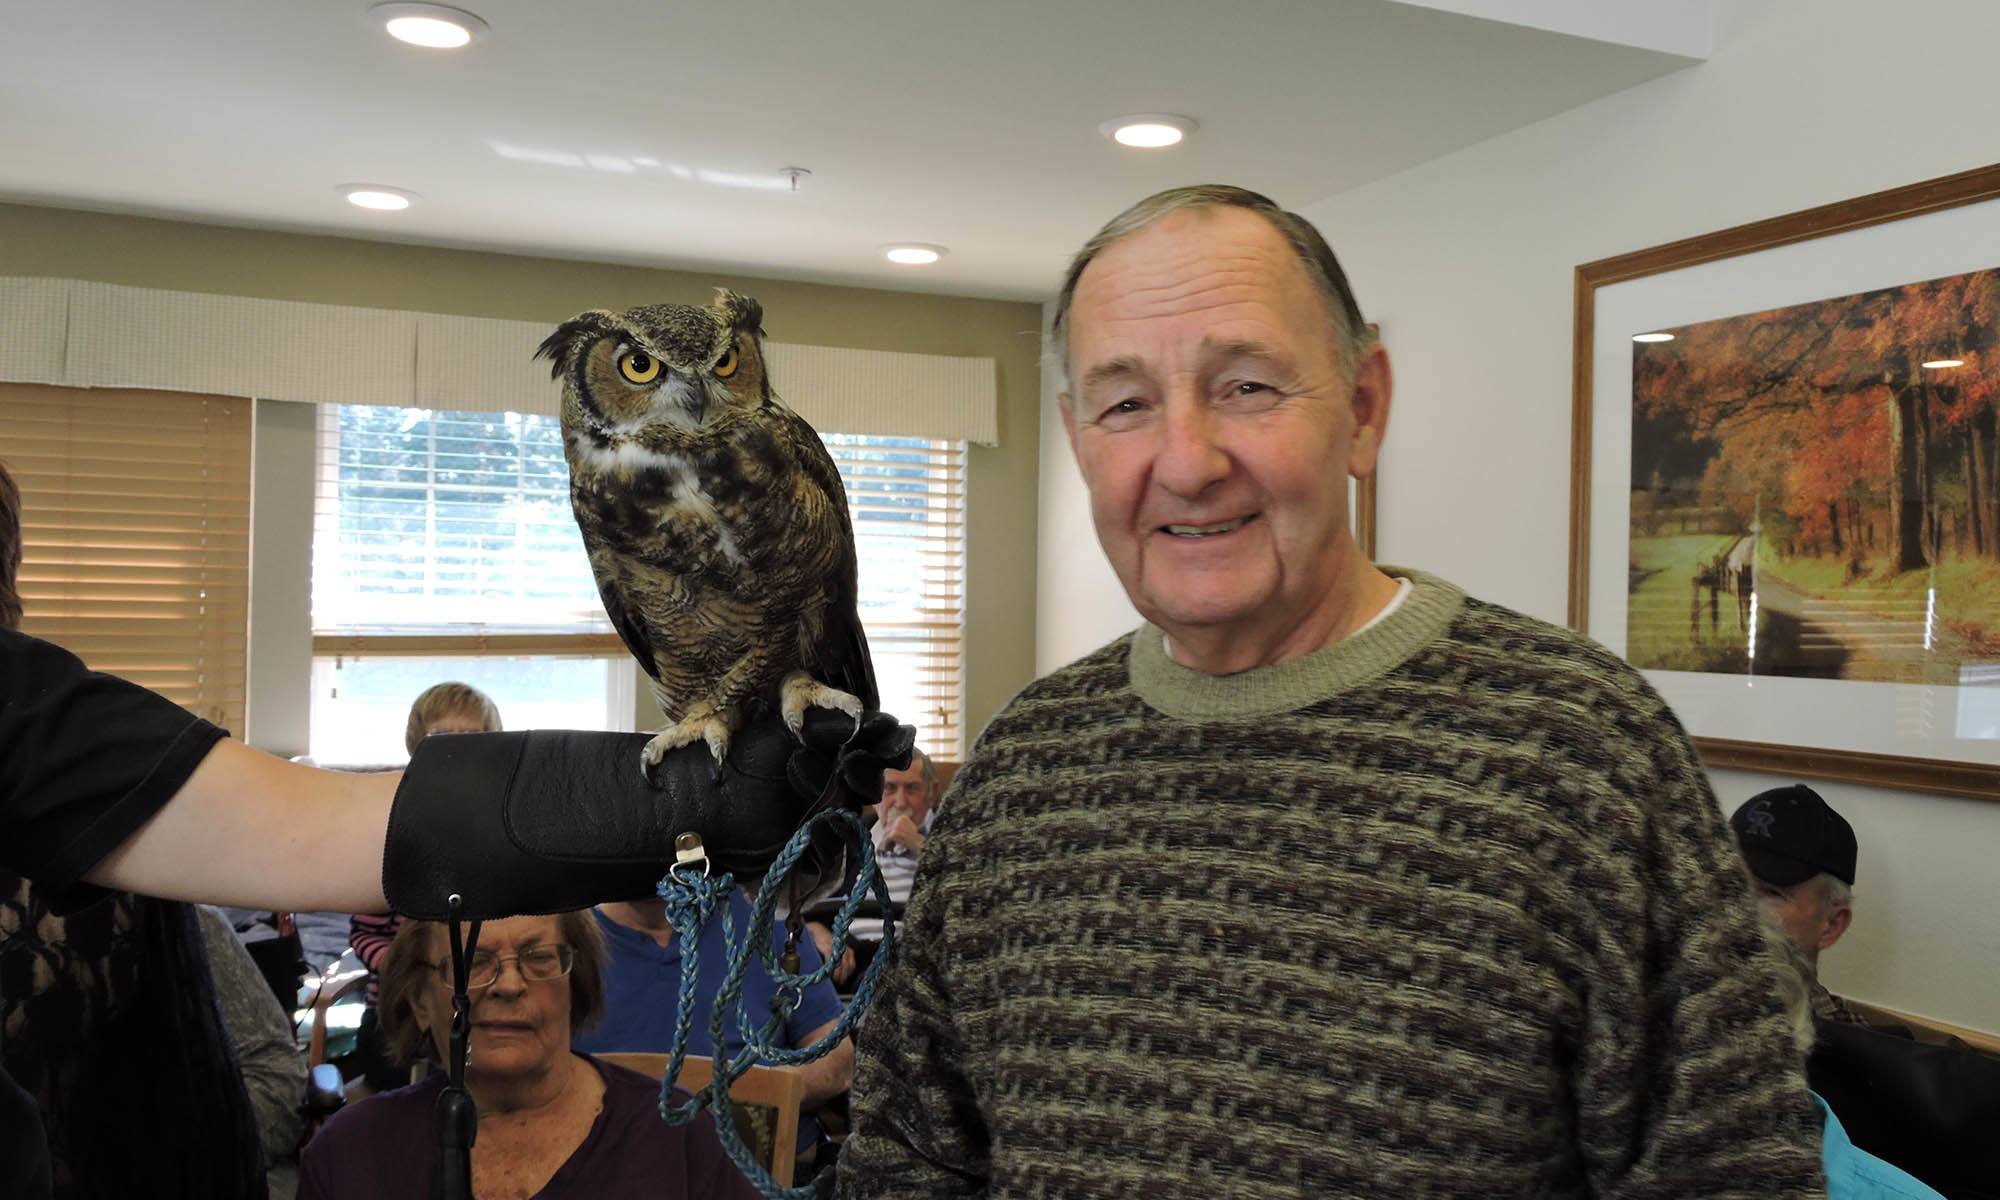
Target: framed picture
x=1785, y=484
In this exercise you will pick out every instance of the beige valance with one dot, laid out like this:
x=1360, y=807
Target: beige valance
x=76, y=333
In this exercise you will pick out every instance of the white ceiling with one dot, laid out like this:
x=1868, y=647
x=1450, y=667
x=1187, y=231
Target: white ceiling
x=625, y=130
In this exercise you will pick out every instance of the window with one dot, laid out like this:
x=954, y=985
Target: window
x=446, y=523
x=444, y=547
x=136, y=532
x=907, y=497
x=367, y=697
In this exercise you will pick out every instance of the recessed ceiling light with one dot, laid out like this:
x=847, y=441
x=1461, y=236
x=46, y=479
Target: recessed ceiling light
x=432, y=26
x=1148, y=131
x=377, y=196
x=913, y=254
x=1939, y=364
x=1652, y=337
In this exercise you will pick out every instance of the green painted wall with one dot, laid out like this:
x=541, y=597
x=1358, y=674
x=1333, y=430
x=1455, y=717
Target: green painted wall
x=183, y=256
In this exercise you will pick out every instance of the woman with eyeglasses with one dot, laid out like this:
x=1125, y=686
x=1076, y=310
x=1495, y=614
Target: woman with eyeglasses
x=552, y=1123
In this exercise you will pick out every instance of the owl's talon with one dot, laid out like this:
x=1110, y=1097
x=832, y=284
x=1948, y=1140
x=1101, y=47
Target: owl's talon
x=702, y=725
x=801, y=691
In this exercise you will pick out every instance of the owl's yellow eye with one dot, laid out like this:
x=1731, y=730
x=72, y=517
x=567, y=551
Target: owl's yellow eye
x=726, y=365
x=637, y=366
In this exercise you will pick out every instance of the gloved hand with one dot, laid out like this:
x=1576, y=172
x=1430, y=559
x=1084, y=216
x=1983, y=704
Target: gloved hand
x=552, y=820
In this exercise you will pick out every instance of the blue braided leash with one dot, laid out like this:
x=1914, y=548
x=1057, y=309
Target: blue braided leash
x=692, y=901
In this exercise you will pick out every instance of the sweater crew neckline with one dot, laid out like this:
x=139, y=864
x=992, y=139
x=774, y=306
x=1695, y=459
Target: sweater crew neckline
x=1188, y=694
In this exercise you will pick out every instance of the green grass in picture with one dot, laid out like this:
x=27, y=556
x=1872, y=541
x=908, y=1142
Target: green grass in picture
x=1658, y=636
x=1968, y=590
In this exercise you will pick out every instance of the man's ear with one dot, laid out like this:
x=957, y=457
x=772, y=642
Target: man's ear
x=1369, y=400
x=1068, y=411
x=1837, y=922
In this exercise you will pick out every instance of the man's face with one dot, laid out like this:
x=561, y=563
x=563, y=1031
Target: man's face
x=1804, y=912
x=1214, y=427
x=904, y=791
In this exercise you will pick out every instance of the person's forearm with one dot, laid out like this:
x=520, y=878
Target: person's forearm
x=827, y=1077
x=254, y=831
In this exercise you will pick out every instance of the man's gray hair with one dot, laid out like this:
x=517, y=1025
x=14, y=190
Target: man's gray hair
x=930, y=771
x=1349, y=330
x=1834, y=892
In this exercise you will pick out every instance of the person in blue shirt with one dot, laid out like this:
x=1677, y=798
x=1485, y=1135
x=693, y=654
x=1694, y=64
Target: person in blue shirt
x=642, y=978
x=1854, y=1174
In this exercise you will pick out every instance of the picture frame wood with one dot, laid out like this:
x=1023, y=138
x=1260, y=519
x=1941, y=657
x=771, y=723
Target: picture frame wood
x=1834, y=729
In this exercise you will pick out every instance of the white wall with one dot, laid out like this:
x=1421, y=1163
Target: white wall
x=1467, y=262
x=278, y=715
x=1078, y=603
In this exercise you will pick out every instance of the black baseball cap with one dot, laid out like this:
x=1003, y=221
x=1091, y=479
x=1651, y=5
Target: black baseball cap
x=1789, y=835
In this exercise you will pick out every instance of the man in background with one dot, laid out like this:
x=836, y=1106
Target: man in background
x=902, y=826
x=642, y=978
x=1801, y=856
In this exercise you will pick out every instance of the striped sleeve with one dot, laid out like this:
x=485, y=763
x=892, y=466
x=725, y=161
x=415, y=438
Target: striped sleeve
x=370, y=936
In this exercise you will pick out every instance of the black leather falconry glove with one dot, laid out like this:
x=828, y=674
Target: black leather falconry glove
x=549, y=821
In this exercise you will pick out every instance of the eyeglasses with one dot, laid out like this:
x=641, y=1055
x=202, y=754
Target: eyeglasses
x=538, y=965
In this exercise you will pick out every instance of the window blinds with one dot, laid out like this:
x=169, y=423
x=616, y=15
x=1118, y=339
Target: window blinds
x=136, y=531
x=447, y=531
x=907, y=497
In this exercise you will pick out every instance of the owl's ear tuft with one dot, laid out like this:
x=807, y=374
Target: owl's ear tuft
x=577, y=331
x=741, y=312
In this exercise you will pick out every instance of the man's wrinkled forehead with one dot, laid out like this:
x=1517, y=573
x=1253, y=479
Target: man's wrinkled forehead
x=1209, y=352
x=1205, y=276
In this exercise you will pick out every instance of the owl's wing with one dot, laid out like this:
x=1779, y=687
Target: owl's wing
x=624, y=618
x=600, y=544
x=842, y=659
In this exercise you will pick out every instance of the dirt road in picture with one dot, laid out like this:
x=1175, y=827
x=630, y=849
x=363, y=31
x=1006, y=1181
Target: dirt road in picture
x=1803, y=635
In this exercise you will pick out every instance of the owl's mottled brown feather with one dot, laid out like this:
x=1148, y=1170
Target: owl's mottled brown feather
x=715, y=520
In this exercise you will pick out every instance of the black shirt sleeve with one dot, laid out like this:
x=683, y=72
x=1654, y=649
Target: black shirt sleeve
x=85, y=759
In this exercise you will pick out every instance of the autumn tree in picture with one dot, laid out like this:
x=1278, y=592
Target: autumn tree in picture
x=1816, y=489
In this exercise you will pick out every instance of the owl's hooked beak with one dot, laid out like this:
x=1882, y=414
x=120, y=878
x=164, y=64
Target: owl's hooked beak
x=683, y=398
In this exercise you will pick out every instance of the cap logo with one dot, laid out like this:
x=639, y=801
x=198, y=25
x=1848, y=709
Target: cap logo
x=1759, y=819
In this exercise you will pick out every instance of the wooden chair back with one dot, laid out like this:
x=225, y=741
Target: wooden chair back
x=765, y=1100
x=332, y=986
x=1929, y=1029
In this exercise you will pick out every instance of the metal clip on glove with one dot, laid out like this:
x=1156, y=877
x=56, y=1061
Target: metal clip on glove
x=549, y=821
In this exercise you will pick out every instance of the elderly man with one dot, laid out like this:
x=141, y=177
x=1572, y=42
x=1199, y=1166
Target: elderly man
x=1329, y=880
x=902, y=824
x=1801, y=857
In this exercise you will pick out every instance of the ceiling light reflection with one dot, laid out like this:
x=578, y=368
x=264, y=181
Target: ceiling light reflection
x=634, y=164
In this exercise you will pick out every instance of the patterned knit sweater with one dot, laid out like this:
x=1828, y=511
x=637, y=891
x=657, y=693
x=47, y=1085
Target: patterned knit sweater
x=1445, y=909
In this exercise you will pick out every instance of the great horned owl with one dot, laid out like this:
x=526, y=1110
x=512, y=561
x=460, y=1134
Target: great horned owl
x=714, y=518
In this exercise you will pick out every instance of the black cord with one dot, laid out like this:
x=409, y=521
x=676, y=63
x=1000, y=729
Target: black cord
x=457, y=1116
